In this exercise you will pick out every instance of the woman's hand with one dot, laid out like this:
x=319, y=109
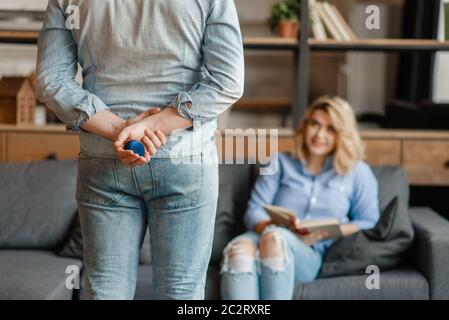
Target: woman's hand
x=262, y=225
x=314, y=237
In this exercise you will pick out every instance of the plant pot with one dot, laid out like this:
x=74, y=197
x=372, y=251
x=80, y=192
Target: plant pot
x=289, y=29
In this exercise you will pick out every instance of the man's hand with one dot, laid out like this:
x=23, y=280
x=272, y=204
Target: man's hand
x=126, y=123
x=151, y=131
x=135, y=129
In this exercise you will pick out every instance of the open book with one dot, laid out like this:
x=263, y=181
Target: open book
x=287, y=218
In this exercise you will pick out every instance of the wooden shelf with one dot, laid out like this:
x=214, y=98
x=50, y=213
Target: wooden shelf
x=49, y=128
x=380, y=45
x=277, y=43
x=21, y=37
x=357, y=45
x=263, y=105
x=271, y=43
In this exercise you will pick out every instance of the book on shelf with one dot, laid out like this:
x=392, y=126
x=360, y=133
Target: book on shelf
x=330, y=14
x=349, y=34
x=326, y=16
x=330, y=27
x=302, y=228
x=318, y=30
x=446, y=20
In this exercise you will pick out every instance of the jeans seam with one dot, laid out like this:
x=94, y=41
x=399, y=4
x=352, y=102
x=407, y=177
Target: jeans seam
x=133, y=173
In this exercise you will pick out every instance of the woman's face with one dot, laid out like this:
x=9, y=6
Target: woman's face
x=321, y=135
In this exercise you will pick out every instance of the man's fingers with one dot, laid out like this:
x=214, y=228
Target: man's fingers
x=138, y=162
x=153, y=111
x=123, y=135
x=145, y=114
x=130, y=159
x=149, y=146
x=157, y=143
x=122, y=154
x=161, y=136
x=142, y=116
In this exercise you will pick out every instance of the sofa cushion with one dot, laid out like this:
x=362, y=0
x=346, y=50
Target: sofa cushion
x=385, y=245
x=34, y=275
x=400, y=284
x=392, y=182
x=236, y=182
x=73, y=246
x=37, y=203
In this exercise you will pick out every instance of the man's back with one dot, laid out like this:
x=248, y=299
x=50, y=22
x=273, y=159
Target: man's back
x=140, y=54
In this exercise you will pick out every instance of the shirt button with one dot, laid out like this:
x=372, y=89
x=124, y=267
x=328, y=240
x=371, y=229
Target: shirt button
x=313, y=200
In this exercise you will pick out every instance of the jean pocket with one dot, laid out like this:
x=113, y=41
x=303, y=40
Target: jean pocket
x=178, y=184
x=97, y=181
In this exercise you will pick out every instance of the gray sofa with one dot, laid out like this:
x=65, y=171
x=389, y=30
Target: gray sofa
x=38, y=209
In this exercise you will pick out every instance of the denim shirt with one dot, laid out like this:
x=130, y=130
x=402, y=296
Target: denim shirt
x=352, y=198
x=140, y=54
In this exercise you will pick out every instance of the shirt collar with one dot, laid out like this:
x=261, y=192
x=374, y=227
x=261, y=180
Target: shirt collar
x=326, y=167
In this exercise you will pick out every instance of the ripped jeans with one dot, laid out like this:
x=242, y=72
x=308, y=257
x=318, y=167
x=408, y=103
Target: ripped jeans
x=259, y=274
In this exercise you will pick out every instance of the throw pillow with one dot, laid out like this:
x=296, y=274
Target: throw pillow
x=73, y=247
x=384, y=246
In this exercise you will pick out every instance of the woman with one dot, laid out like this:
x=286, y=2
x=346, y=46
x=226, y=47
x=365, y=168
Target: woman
x=326, y=178
x=183, y=56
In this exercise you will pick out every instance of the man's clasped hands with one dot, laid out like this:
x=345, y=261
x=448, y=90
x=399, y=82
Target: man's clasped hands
x=150, y=128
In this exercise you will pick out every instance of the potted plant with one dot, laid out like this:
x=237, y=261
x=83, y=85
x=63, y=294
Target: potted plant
x=284, y=18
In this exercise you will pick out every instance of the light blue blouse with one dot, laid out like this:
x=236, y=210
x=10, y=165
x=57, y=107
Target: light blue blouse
x=352, y=198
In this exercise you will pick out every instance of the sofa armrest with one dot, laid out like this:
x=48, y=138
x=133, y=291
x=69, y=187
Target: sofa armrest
x=431, y=249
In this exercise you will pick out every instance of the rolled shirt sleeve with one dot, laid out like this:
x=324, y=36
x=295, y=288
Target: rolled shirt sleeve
x=57, y=66
x=364, y=210
x=223, y=67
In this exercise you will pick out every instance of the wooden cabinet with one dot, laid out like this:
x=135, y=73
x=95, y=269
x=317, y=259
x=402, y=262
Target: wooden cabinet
x=383, y=152
x=427, y=161
x=423, y=154
x=22, y=144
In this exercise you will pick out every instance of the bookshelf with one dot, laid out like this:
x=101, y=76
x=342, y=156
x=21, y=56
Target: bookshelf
x=306, y=45
x=302, y=49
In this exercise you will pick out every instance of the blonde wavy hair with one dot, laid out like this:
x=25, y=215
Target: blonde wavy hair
x=349, y=147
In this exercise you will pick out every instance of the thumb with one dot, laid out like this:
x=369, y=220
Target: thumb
x=153, y=111
x=124, y=134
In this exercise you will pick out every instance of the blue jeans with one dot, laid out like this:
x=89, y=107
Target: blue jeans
x=116, y=203
x=252, y=278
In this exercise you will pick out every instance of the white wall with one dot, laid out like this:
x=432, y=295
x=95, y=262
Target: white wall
x=19, y=59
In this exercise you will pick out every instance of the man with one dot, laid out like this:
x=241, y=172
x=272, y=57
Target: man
x=185, y=57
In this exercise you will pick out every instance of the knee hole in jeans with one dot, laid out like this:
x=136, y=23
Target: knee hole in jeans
x=239, y=256
x=272, y=251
